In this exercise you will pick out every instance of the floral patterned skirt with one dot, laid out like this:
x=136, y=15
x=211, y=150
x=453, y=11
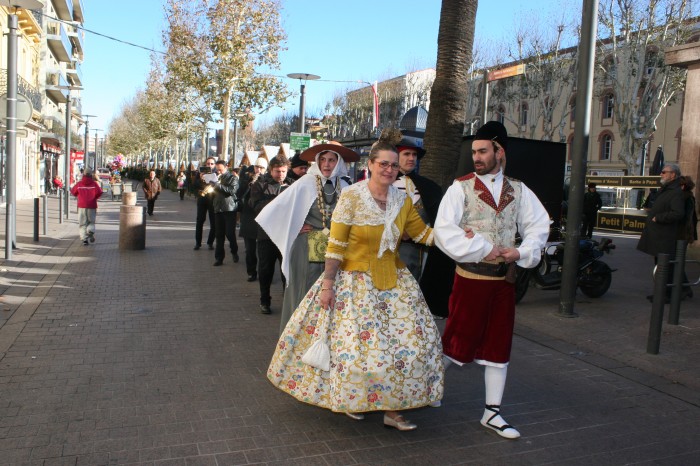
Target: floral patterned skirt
x=384, y=345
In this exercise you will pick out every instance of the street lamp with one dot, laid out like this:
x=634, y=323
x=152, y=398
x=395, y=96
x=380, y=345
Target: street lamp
x=66, y=162
x=302, y=77
x=87, y=137
x=96, y=155
x=13, y=25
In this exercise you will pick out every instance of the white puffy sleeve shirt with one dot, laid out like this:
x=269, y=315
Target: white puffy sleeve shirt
x=532, y=220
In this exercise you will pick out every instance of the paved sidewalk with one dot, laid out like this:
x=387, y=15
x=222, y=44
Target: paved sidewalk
x=156, y=357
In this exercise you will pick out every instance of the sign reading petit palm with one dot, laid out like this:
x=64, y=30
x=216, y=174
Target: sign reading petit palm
x=299, y=141
x=625, y=181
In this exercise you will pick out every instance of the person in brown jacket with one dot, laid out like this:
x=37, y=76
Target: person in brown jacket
x=151, y=190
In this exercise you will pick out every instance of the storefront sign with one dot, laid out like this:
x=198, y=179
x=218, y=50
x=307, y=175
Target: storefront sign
x=625, y=181
x=620, y=222
x=506, y=72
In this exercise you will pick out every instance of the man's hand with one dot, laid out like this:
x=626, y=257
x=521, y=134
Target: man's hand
x=493, y=254
x=509, y=254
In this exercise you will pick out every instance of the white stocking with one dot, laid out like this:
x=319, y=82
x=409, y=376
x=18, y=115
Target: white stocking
x=495, y=382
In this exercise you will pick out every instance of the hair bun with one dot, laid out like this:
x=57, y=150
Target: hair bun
x=392, y=136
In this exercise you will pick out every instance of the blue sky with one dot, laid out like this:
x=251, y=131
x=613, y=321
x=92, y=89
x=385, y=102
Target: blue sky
x=364, y=40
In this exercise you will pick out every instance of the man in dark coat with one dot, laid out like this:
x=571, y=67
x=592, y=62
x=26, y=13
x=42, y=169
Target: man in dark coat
x=298, y=168
x=591, y=205
x=249, y=229
x=225, y=206
x=205, y=205
x=262, y=192
x=665, y=218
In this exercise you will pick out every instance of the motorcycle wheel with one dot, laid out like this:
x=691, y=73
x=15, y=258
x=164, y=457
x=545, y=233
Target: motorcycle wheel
x=522, y=282
x=597, y=283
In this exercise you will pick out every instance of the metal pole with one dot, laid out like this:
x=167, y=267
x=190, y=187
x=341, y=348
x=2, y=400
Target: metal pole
x=485, y=98
x=657, y=306
x=60, y=206
x=87, y=136
x=45, y=210
x=11, y=125
x=302, y=108
x=580, y=150
x=677, y=289
x=36, y=219
x=66, y=163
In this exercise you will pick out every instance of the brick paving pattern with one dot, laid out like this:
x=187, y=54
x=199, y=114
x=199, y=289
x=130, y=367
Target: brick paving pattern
x=156, y=357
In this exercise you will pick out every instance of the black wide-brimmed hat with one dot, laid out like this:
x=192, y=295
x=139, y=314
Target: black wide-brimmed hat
x=346, y=153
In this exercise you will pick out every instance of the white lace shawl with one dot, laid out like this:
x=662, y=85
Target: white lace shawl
x=357, y=207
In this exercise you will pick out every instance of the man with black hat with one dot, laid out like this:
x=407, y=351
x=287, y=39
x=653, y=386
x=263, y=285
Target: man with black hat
x=491, y=208
x=299, y=167
x=591, y=205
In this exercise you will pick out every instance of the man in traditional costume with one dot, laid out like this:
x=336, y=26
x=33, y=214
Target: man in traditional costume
x=482, y=304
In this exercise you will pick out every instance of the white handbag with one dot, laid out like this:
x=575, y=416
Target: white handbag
x=318, y=355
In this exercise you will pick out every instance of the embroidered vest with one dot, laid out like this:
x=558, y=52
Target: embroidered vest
x=496, y=222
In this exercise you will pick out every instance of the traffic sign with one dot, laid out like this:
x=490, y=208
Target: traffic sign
x=299, y=141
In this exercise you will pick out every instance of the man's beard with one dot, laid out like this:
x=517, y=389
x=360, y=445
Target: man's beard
x=486, y=168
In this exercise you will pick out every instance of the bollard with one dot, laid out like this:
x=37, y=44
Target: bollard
x=678, y=269
x=36, y=219
x=128, y=198
x=45, y=210
x=657, y=306
x=132, y=227
x=60, y=206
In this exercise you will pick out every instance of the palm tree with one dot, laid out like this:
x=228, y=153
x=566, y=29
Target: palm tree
x=443, y=135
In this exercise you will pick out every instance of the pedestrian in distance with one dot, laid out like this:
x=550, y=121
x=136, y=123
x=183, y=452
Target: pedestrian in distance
x=591, y=205
x=263, y=191
x=88, y=191
x=249, y=229
x=205, y=204
x=298, y=221
x=384, y=345
x=482, y=304
x=181, y=184
x=225, y=205
x=151, y=190
x=665, y=220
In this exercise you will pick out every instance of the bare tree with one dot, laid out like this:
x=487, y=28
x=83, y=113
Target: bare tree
x=633, y=36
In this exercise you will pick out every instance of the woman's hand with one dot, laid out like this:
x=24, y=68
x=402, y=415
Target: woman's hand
x=327, y=293
x=469, y=233
x=305, y=229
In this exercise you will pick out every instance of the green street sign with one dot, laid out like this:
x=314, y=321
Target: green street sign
x=299, y=141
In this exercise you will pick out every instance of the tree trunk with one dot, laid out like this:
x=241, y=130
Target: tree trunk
x=445, y=126
x=225, y=117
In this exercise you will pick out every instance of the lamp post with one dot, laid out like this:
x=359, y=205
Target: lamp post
x=11, y=125
x=87, y=137
x=96, y=154
x=66, y=162
x=302, y=77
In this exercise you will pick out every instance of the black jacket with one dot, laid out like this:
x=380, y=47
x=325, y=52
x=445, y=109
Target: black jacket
x=262, y=192
x=225, y=189
x=669, y=211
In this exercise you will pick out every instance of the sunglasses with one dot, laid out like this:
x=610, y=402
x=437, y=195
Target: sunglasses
x=385, y=164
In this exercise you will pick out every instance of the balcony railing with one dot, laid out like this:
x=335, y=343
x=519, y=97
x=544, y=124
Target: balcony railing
x=23, y=87
x=75, y=74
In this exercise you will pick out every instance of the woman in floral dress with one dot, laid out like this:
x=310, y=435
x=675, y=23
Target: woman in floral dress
x=385, y=351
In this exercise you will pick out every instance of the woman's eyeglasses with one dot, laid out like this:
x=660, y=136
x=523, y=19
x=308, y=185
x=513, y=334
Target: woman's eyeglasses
x=384, y=165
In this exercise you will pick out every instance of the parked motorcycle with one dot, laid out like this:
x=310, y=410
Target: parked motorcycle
x=593, y=277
